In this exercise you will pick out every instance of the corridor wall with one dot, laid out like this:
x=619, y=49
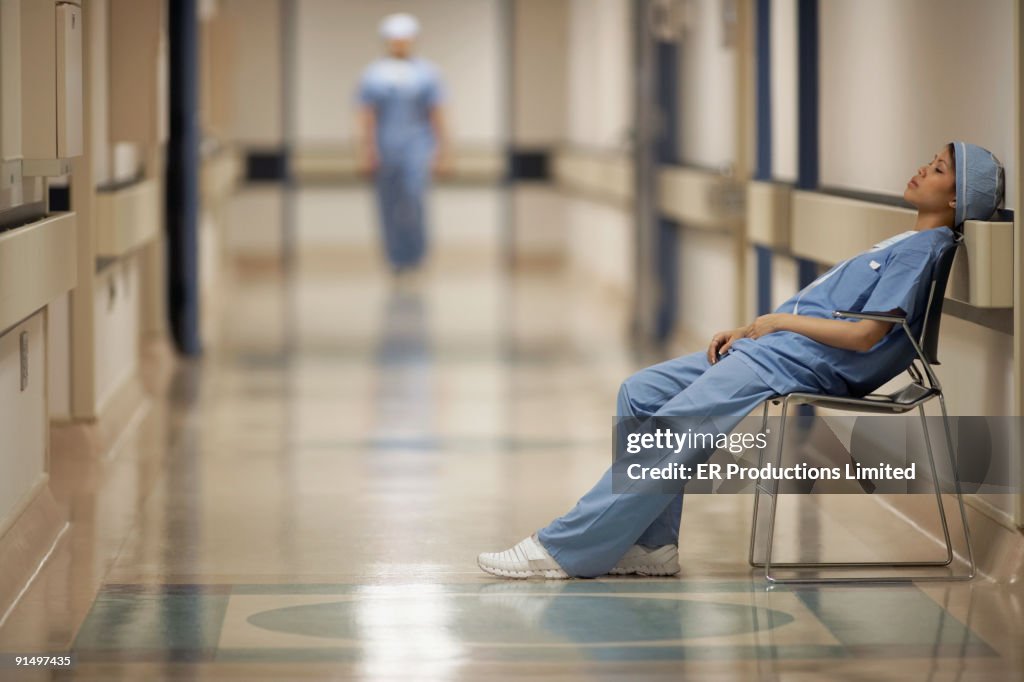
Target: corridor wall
x=885, y=111
x=601, y=242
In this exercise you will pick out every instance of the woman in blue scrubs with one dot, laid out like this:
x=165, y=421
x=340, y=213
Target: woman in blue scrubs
x=800, y=347
x=403, y=139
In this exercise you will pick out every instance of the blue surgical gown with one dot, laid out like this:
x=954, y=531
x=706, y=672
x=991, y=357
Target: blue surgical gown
x=893, y=275
x=402, y=93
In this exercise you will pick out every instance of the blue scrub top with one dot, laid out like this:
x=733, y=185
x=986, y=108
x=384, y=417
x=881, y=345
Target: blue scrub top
x=402, y=93
x=893, y=275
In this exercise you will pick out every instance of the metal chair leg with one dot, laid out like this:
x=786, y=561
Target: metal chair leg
x=956, y=486
x=775, y=496
x=938, y=488
x=757, y=490
x=768, y=565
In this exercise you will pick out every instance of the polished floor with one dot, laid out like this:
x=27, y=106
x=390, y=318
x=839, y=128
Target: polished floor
x=306, y=502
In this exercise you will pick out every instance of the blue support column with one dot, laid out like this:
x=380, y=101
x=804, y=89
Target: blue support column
x=807, y=112
x=763, y=165
x=807, y=124
x=183, y=177
x=763, y=56
x=667, y=151
x=807, y=94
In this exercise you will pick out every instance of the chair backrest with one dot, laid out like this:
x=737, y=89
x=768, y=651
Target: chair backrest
x=929, y=339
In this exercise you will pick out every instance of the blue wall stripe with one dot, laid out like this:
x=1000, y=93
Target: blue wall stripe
x=807, y=94
x=807, y=123
x=667, y=152
x=764, y=279
x=763, y=56
x=182, y=199
x=807, y=112
x=763, y=165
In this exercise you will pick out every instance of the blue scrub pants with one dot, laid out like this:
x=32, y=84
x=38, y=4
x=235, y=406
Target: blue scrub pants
x=590, y=539
x=401, y=188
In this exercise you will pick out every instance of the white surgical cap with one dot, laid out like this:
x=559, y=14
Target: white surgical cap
x=399, y=27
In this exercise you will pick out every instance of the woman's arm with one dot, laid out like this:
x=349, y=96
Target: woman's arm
x=860, y=336
x=442, y=159
x=368, y=123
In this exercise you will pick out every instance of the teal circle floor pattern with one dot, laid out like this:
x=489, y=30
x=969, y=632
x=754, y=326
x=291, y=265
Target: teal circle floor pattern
x=614, y=620
x=475, y=619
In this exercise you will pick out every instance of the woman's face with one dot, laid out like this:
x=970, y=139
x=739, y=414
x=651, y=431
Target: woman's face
x=400, y=48
x=933, y=188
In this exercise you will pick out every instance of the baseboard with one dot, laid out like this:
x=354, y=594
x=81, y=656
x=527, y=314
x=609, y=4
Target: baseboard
x=998, y=549
x=97, y=437
x=27, y=543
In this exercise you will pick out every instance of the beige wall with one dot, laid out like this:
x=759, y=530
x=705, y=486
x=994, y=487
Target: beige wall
x=337, y=39
x=784, y=89
x=253, y=221
x=601, y=246
x=256, y=56
x=540, y=67
x=599, y=237
x=600, y=74
x=708, y=287
x=707, y=102
x=898, y=79
x=97, y=14
x=886, y=110
x=707, y=138
x=10, y=79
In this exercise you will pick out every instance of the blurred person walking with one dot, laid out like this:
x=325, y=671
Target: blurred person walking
x=404, y=139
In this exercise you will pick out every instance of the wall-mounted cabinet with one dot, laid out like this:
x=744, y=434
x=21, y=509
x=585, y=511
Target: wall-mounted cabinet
x=69, y=80
x=23, y=417
x=127, y=218
x=828, y=229
x=983, y=272
x=603, y=176
x=138, y=71
x=37, y=264
x=701, y=199
x=51, y=96
x=768, y=214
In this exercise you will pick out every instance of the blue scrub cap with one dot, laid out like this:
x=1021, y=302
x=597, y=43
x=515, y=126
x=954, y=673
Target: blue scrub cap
x=399, y=27
x=979, y=182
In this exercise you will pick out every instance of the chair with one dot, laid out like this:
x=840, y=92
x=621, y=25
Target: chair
x=924, y=386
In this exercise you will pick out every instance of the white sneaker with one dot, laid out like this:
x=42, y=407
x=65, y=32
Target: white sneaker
x=528, y=559
x=640, y=560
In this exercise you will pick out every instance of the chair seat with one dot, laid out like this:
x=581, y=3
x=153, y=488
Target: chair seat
x=903, y=400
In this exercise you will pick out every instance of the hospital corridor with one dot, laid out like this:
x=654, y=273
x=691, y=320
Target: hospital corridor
x=384, y=340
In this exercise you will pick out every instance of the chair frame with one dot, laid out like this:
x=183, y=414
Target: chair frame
x=924, y=387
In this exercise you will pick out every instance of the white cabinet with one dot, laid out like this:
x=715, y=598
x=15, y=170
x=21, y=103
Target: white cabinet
x=69, y=80
x=51, y=93
x=127, y=218
x=10, y=93
x=23, y=417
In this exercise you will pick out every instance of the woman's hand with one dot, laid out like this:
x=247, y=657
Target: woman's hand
x=722, y=342
x=769, y=324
